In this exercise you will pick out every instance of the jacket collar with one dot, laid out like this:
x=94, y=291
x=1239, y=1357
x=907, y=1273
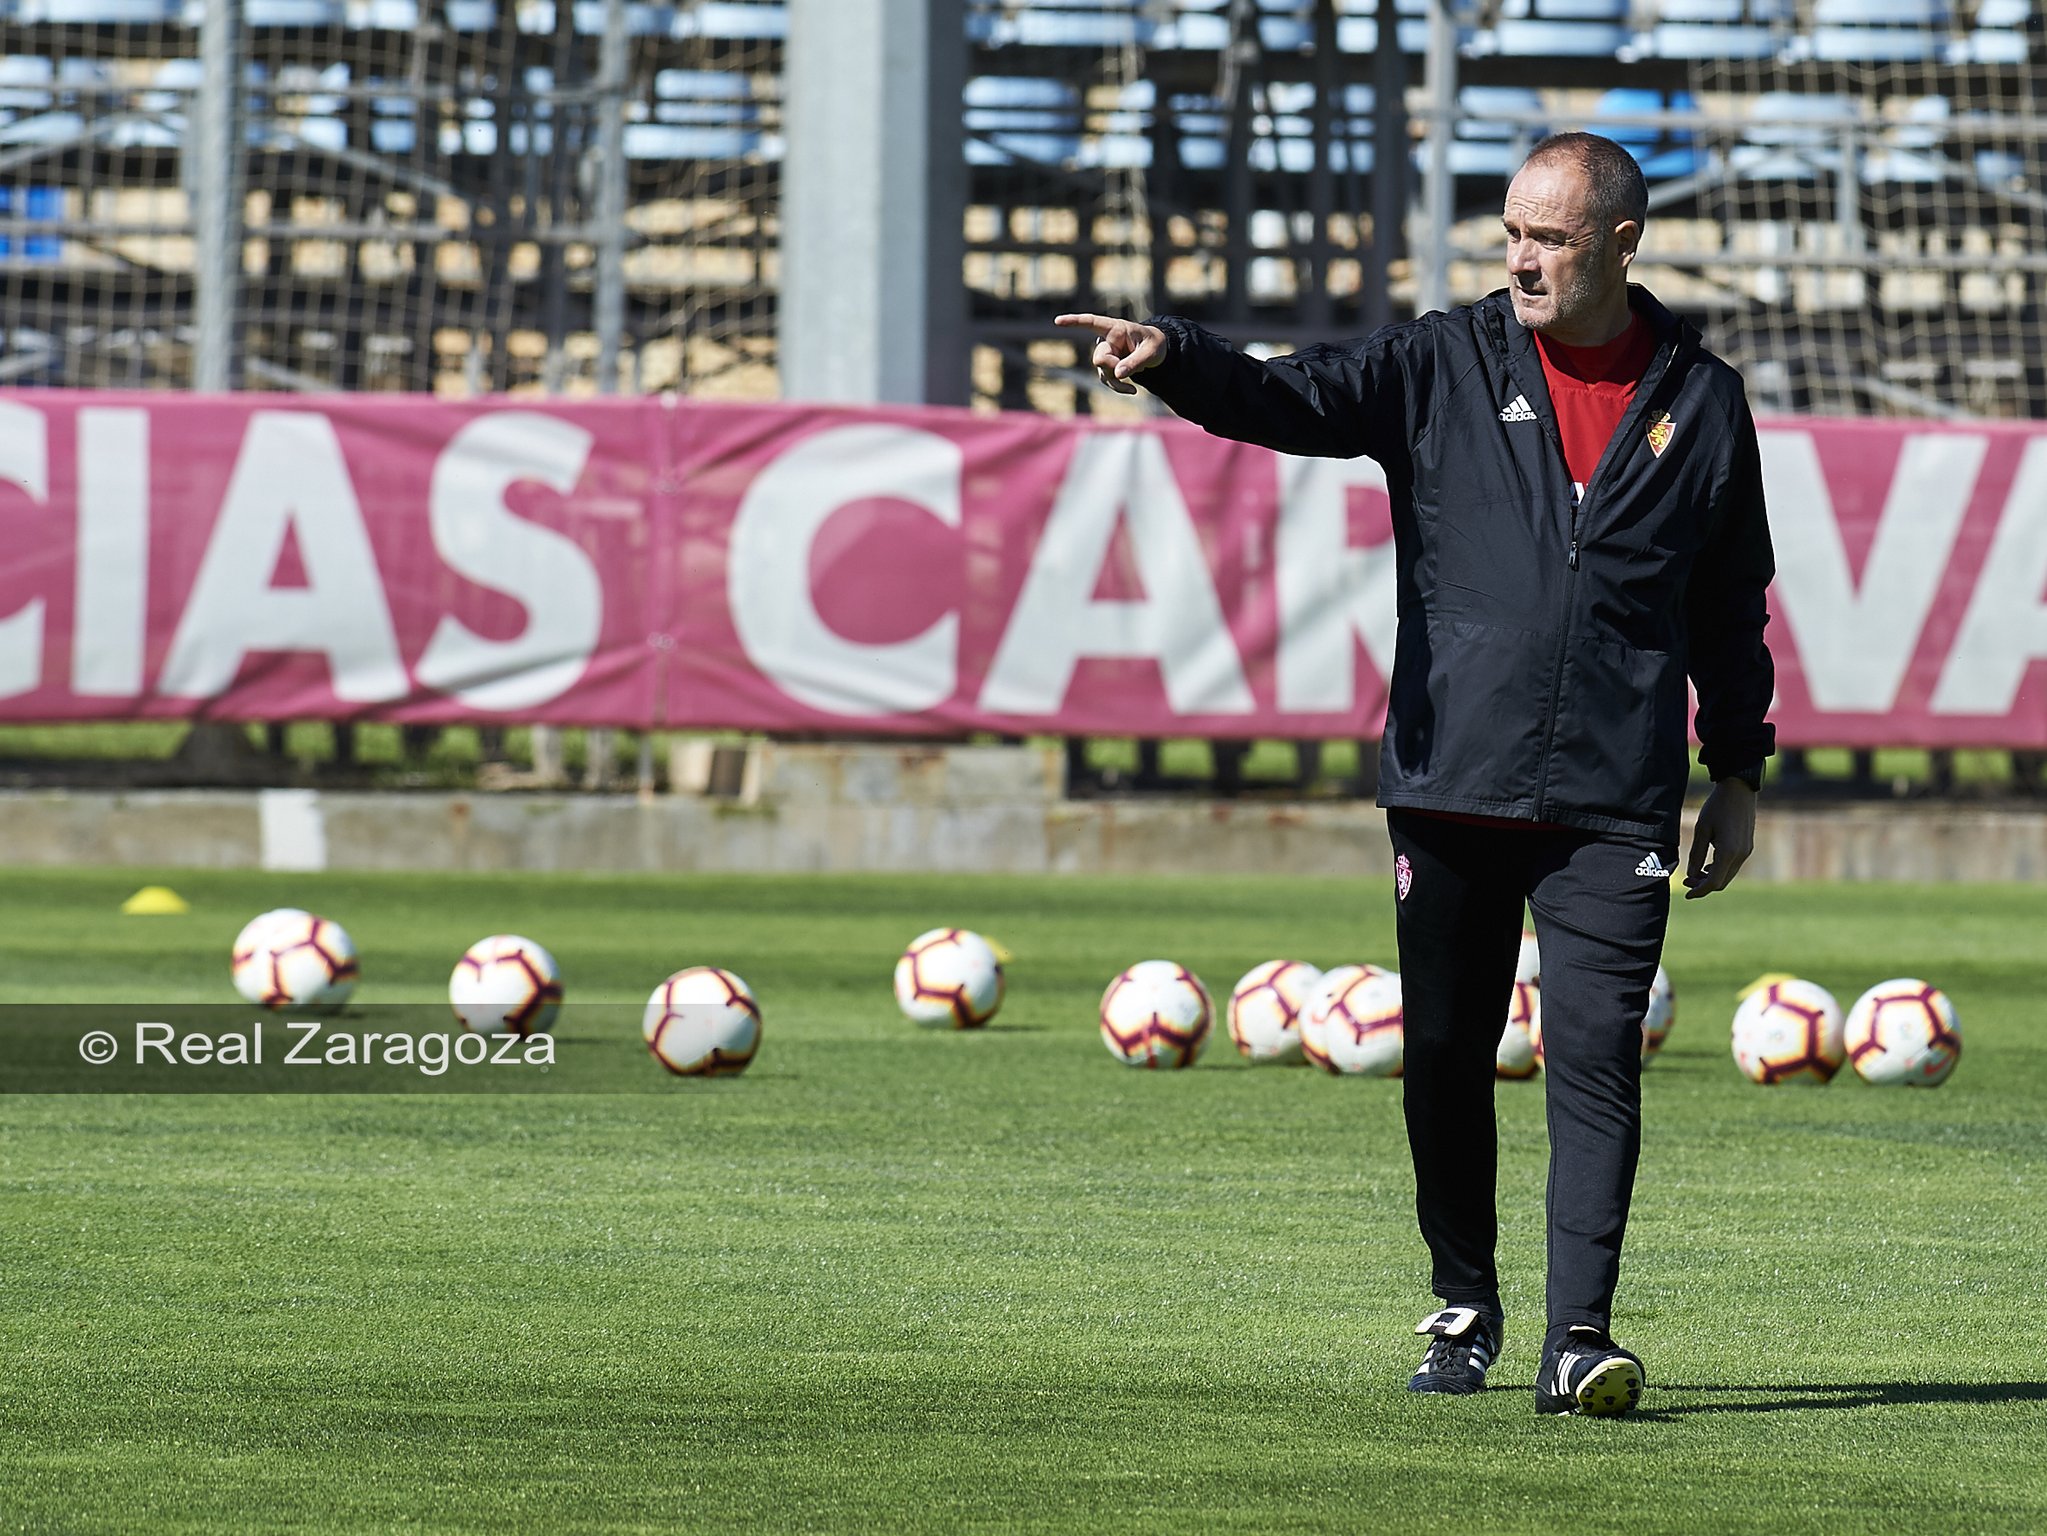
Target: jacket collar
x=1516, y=343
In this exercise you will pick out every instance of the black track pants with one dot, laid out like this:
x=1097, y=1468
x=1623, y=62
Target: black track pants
x=1599, y=918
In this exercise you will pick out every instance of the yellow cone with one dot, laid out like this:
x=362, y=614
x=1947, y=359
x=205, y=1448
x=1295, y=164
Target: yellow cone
x=155, y=901
x=1763, y=981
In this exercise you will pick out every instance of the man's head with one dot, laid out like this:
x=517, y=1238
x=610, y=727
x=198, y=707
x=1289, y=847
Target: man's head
x=1574, y=216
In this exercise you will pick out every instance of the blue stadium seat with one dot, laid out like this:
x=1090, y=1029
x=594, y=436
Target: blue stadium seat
x=1694, y=40
x=1020, y=91
x=1661, y=153
x=702, y=85
x=1989, y=47
x=1873, y=45
x=32, y=203
x=1005, y=120
x=2003, y=13
x=1877, y=31
x=383, y=15
x=293, y=13
x=1115, y=151
x=24, y=84
x=741, y=23
x=1879, y=13
x=88, y=13
x=1995, y=167
x=1294, y=156
x=1079, y=29
x=1558, y=39
x=662, y=141
x=1725, y=12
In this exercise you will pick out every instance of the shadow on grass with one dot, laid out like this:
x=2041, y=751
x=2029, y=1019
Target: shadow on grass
x=1860, y=1394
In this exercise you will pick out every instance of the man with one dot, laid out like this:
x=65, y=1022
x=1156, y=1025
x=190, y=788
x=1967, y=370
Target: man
x=1578, y=523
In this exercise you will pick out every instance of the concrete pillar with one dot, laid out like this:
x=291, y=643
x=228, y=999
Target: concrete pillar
x=873, y=298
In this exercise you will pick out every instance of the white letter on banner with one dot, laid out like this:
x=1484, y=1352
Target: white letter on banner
x=24, y=461
x=1330, y=595
x=290, y=478
x=1178, y=623
x=545, y=571
x=2004, y=630
x=110, y=620
x=1855, y=645
x=768, y=570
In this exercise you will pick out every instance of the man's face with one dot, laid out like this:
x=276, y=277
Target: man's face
x=1562, y=267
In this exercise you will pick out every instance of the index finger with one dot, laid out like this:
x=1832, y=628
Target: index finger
x=1099, y=323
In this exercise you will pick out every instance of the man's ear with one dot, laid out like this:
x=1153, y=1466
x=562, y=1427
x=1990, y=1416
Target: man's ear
x=1629, y=235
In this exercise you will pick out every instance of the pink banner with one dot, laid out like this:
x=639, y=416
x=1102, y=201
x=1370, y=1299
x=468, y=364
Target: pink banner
x=647, y=563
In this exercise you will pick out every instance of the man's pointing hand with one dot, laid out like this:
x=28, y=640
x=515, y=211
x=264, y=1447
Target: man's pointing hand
x=1122, y=348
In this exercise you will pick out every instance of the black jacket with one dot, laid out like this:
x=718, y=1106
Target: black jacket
x=1540, y=669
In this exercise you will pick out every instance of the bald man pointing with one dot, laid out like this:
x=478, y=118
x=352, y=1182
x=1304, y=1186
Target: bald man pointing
x=1579, y=526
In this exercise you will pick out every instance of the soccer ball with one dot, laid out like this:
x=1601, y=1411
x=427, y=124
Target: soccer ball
x=506, y=985
x=1156, y=1014
x=1265, y=1009
x=1528, y=968
x=702, y=1022
x=302, y=961
x=949, y=976
x=1515, y=1056
x=1661, y=1015
x=1312, y=1025
x=1790, y=1031
x=1904, y=1031
x=250, y=957
x=1356, y=1020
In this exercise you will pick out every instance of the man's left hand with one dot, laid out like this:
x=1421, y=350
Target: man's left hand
x=1727, y=825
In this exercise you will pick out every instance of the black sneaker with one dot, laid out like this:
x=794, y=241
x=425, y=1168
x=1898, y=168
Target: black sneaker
x=1464, y=1343
x=1590, y=1374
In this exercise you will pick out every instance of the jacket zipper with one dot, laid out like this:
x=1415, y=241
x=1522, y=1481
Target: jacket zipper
x=1556, y=666
x=1638, y=408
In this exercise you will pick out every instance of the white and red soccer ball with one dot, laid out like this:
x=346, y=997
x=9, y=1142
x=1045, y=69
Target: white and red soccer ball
x=1265, y=1009
x=290, y=958
x=1156, y=1014
x=249, y=959
x=1789, y=1031
x=1515, y=1056
x=703, y=1022
x=1662, y=1014
x=1903, y=1031
x=506, y=984
x=1352, y=1025
x=949, y=977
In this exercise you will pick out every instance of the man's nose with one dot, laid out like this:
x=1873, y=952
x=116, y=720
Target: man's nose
x=1521, y=256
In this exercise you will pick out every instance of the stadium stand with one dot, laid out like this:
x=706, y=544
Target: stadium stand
x=1868, y=172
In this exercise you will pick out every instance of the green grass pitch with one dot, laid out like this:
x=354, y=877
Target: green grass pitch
x=901, y=1281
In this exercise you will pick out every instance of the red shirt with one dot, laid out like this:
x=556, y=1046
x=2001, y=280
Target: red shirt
x=1591, y=388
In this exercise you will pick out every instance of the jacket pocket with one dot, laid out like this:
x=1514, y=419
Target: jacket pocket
x=1619, y=747
x=1469, y=704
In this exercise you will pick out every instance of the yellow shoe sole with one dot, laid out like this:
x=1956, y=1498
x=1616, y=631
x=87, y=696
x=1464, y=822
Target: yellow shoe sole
x=1612, y=1390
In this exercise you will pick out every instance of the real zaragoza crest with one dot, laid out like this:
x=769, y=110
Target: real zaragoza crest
x=1659, y=433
